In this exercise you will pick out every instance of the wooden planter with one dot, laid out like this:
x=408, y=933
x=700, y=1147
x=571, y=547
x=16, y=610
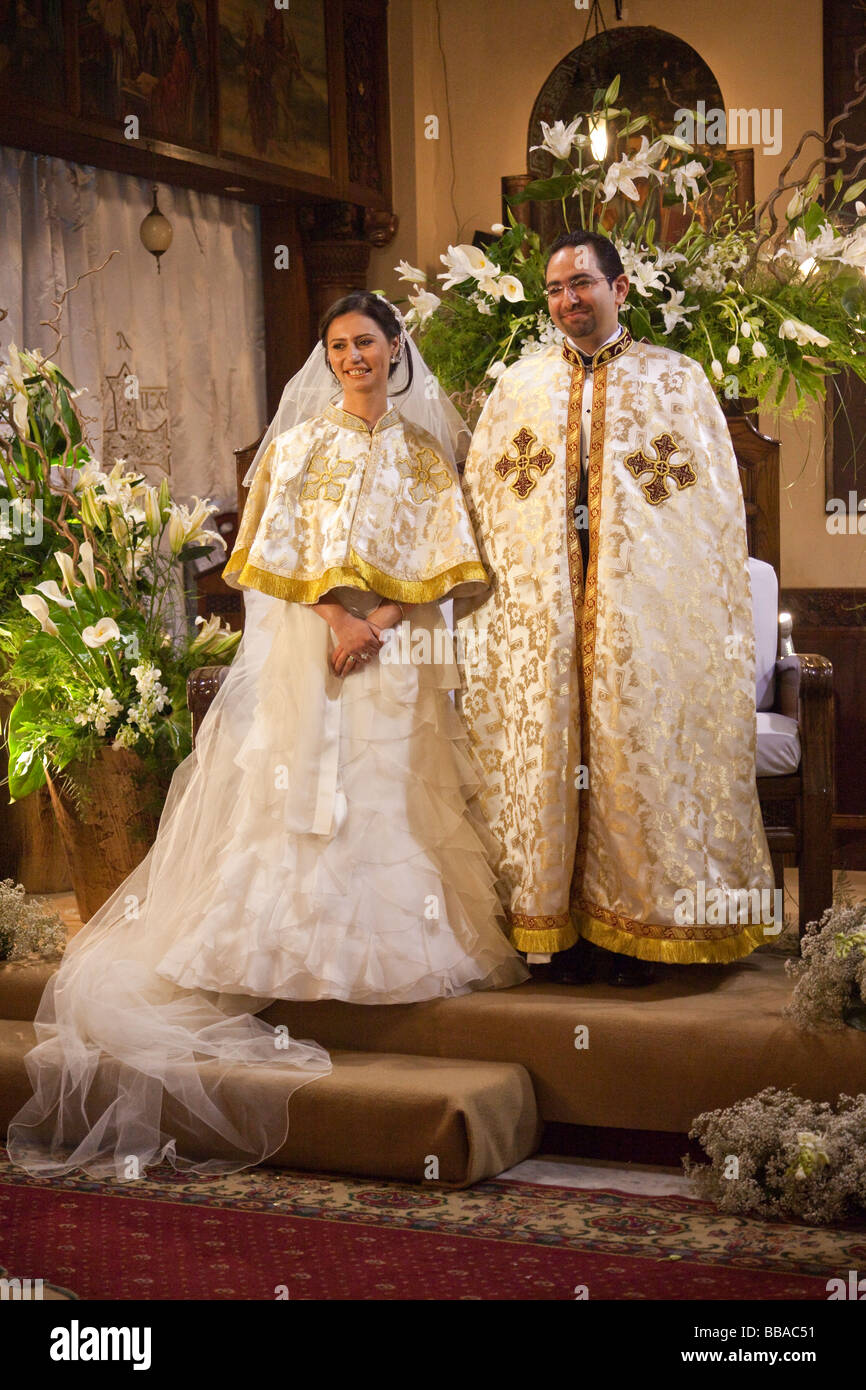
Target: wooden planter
x=108, y=834
x=31, y=851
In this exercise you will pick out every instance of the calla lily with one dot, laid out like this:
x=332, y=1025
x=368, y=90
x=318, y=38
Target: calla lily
x=802, y=333
x=85, y=564
x=21, y=404
x=67, y=568
x=38, y=608
x=411, y=273
x=511, y=287
x=50, y=589
x=465, y=262
x=488, y=285
x=106, y=630
x=558, y=138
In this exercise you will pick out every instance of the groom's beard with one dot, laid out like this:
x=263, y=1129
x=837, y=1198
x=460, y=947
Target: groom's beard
x=581, y=325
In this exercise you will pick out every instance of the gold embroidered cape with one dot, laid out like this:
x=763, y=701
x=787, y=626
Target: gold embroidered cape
x=335, y=504
x=613, y=712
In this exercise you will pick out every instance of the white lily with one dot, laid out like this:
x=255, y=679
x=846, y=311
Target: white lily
x=802, y=333
x=677, y=142
x=558, y=138
x=152, y=512
x=510, y=286
x=85, y=564
x=685, y=178
x=498, y=228
x=50, y=588
x=424, y=303
x=733, y=355
x=646, y=276
x=410, y=272
x=621, y=175
x=674, y=311
x=758, y=349
x=106, y=630
x=38, y=609
x=66, y=566
x=496, y=369
x=717, y=369
x=796, y=205
x=88, y=475
x=185, y=527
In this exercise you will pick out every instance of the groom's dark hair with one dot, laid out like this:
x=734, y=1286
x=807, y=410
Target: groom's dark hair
x=609, y=262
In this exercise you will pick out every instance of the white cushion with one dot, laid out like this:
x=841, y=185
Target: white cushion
x=765, y=610
x=778, y=752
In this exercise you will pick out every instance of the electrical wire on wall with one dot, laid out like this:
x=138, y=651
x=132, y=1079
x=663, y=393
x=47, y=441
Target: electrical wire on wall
x=448, y=112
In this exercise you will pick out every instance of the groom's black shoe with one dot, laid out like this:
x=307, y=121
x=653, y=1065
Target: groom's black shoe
x=577, y=965
x=628, y=972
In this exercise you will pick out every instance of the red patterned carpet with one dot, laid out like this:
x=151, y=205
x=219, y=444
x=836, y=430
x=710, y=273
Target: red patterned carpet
x=266, y=1233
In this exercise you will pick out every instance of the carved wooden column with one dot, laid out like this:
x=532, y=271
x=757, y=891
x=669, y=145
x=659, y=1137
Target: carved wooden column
x=337, y=242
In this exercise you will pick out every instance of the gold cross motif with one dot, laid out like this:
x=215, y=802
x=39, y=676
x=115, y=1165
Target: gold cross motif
x=428, y=472
x=323, y=483
x=655, y=489
x=523, y=483
x=619, y=700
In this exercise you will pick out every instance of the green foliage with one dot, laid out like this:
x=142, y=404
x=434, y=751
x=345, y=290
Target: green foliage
x=762, y=308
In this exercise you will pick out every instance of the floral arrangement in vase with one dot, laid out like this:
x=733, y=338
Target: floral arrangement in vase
x=762, y=305
x=92, y=623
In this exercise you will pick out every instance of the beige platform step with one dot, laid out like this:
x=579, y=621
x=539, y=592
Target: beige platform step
x=418, y=1119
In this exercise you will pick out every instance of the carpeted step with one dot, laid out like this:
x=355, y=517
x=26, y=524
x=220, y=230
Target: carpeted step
x=375, y=1115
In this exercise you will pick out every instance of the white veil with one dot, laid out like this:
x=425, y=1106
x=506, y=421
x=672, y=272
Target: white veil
x=424, y=404
x=129, y=1068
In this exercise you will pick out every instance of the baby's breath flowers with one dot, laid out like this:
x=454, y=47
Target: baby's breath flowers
x=27, y=929
x=778, y=1155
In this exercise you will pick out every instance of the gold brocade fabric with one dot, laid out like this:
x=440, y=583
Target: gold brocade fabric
x=335, y=504
x=613, y=713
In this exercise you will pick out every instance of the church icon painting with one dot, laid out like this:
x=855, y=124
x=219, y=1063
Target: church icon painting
x=127, y=410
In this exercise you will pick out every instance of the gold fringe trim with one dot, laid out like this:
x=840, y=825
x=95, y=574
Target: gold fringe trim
x=239, y=574
x=420, y=590
x=553, y=932
x=667, y=952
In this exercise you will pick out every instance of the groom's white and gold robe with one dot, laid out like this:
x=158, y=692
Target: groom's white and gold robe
x=613, y=711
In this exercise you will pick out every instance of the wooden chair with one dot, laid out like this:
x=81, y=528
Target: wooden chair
x=797, y=806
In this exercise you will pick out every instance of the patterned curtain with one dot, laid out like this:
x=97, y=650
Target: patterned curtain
x=173, y=363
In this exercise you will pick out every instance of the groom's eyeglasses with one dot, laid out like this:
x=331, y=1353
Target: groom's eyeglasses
x=577, y=286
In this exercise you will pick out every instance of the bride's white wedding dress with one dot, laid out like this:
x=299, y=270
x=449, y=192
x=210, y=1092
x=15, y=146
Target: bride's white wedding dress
x=316, y=844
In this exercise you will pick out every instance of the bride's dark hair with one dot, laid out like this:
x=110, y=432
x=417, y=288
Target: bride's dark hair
x=374, y=307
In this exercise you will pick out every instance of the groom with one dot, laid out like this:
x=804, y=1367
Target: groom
x=613, y=716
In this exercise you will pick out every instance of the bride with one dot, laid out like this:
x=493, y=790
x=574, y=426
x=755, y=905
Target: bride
x=317, y=843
